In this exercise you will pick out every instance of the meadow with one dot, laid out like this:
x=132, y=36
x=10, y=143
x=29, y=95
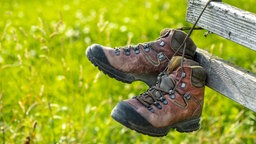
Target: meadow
x=51, y=94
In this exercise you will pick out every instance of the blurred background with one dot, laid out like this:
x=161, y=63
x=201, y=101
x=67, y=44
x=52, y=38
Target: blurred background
x=51, y=93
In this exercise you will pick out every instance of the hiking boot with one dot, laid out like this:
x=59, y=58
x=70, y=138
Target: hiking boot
x=143, y=61
x=175, y=102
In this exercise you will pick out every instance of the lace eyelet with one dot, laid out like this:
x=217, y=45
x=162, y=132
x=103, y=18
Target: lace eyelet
x=146, y=48
x=187, y=96
x=183, y=74
x=163, y=100
x=162, y=44
x=172, y=96
x=157, y=105
x=137, y=50
x=117, y=52
x=171, y=92
x=150, y=108
x=127, y=52
x=161, y=56
x=183, y=85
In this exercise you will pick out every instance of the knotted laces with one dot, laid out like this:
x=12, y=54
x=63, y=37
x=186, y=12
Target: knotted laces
x=155, y=94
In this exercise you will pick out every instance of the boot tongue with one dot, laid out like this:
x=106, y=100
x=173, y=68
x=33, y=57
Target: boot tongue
x=165, y=32
x=174, y=63
x=166, y=83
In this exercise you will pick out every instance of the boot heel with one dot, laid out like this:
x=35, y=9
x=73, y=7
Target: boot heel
x=188, y=126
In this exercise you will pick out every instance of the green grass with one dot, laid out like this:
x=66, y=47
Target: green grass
x=51, y=93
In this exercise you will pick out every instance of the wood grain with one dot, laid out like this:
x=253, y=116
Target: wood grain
x=225, y=20
x=229, y=80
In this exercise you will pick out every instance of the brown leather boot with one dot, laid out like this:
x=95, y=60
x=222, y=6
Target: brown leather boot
x=143, y=61
x=175, y=102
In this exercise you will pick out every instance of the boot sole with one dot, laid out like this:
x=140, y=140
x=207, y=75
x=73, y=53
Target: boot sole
x=144, y=127
x=118, y=75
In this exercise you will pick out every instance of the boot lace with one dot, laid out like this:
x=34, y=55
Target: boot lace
x=155, y=94
x=147, y=47
x=136, y=48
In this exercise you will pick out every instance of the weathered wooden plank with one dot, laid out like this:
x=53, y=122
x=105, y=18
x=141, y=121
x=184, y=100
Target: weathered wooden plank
x=229, y=80
x=225, y=20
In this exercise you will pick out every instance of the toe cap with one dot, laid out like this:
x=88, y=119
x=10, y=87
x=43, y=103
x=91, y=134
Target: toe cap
x=128, y=116
x=95, y=52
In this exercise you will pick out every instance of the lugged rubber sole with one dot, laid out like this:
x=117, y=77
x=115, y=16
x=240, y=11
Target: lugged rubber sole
x=118, y=75
x=131, y=119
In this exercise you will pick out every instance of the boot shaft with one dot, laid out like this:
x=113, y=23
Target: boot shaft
x=176, y=101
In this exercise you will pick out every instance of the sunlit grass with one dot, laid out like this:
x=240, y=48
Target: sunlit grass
x=51, y=93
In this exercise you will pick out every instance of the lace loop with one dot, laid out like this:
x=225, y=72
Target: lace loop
x=153, y=96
